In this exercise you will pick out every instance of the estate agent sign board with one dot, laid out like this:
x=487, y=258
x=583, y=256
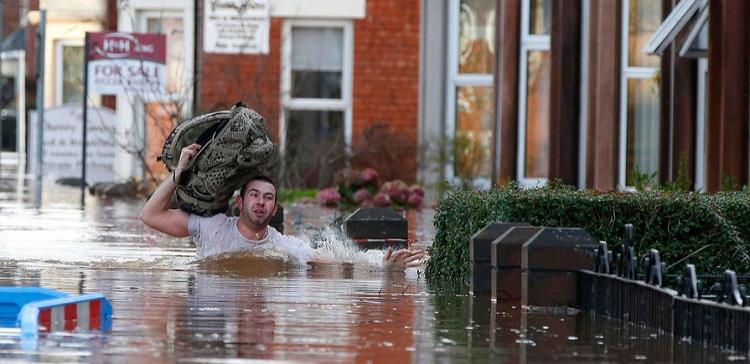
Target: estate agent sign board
x=127, y=63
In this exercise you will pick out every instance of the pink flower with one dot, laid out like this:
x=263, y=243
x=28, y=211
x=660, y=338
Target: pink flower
x=397, y=190
x=361, y=196
x=382, y=200
x=329, y=197
x=369, y=175
x=415, y=200
x=416, y=189
x=416, y=196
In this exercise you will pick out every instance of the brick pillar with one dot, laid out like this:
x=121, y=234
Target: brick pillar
x=507, y=42
x=604, y=95
x=565, y=90
x=728, y=75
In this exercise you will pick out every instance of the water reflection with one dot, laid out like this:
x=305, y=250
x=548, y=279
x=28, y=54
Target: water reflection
x=169, y=308
x=474, y=328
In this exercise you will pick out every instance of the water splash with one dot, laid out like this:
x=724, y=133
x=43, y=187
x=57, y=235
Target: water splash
x=332, y=246
x=327, y=246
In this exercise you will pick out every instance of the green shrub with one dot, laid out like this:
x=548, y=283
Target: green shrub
x=677, y=224
x=294, y=194
x=735, y=208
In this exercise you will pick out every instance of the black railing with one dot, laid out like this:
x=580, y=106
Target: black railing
x=709, y=314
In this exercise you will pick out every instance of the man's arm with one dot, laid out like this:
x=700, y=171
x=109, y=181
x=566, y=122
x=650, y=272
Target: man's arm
x=397, y=260
x=157, y=213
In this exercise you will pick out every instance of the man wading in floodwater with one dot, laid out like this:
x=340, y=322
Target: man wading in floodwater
x=250, y=231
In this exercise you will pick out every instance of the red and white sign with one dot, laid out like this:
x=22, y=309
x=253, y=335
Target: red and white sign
x=76, y=316
x=127, y=63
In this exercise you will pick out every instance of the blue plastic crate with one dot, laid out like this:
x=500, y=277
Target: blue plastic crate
x=34, y=310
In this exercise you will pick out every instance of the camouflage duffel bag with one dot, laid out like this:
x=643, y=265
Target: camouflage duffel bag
x=235, y=148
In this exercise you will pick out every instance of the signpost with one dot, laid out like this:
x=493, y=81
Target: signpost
x=40, y=36
x=85, y=117
x=118, y=63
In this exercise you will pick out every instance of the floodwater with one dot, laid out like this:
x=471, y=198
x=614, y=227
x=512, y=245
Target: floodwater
x=168, y=308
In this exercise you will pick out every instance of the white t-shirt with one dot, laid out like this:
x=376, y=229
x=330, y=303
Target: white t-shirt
x=219, y=234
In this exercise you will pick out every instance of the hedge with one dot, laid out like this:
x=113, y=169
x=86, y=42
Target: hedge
x=735, y=207
x=677, y=224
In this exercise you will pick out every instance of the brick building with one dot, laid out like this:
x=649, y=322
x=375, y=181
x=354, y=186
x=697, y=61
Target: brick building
x=334, y=72
x=338, y=83
x=471, y=91
x=604, y=94
x=355, y=71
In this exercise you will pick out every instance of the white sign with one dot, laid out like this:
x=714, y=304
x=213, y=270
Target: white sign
x=236, y=26
x=62, y=143
x=127, y=63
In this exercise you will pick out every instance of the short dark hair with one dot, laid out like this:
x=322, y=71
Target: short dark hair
x=263, y=178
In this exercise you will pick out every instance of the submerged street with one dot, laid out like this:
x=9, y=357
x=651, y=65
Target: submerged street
x=167, y=307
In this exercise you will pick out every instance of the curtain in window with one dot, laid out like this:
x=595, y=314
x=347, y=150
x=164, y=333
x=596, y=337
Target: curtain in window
x=643, y=127
x=537, y=115
x=471, y=144
x=72, y=71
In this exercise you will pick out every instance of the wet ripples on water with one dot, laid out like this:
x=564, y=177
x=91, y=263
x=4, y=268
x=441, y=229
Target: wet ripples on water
x=168, y=308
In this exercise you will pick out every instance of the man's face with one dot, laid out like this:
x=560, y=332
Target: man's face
x=259, y=203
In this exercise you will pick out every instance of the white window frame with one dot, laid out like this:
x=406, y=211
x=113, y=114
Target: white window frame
x=456, y=80
x=700, y=132
x=59, y=45
x=344, y=104
x=584, y=87
x=694, y=36
x=529, y=43
x=627, y=74
x=186, y=93
x=672, y=25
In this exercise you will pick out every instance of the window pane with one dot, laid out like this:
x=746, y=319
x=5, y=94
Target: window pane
x=72, y=74
x=8, y=126
x=539, y=17
x=317, y=62
x=315, y=147
x=537, y=115
x=645, y=17
x=473, y=135
x=643, y=129
x=476, y=36
x=316, y=84
x=173, y=29
x=317, y=49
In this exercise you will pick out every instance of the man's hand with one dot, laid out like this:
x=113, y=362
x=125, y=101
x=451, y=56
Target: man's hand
x=402, y=259
x=186, y=155
x=157, y=213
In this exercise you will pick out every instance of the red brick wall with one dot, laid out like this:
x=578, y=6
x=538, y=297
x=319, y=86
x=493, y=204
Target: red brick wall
x=31, y=52
x=254, y=79
x=110, y=25
x=386, y=75
x=385, y=81
x=10, y=16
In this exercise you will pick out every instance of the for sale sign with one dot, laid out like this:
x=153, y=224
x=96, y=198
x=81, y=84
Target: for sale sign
x=127, y=63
